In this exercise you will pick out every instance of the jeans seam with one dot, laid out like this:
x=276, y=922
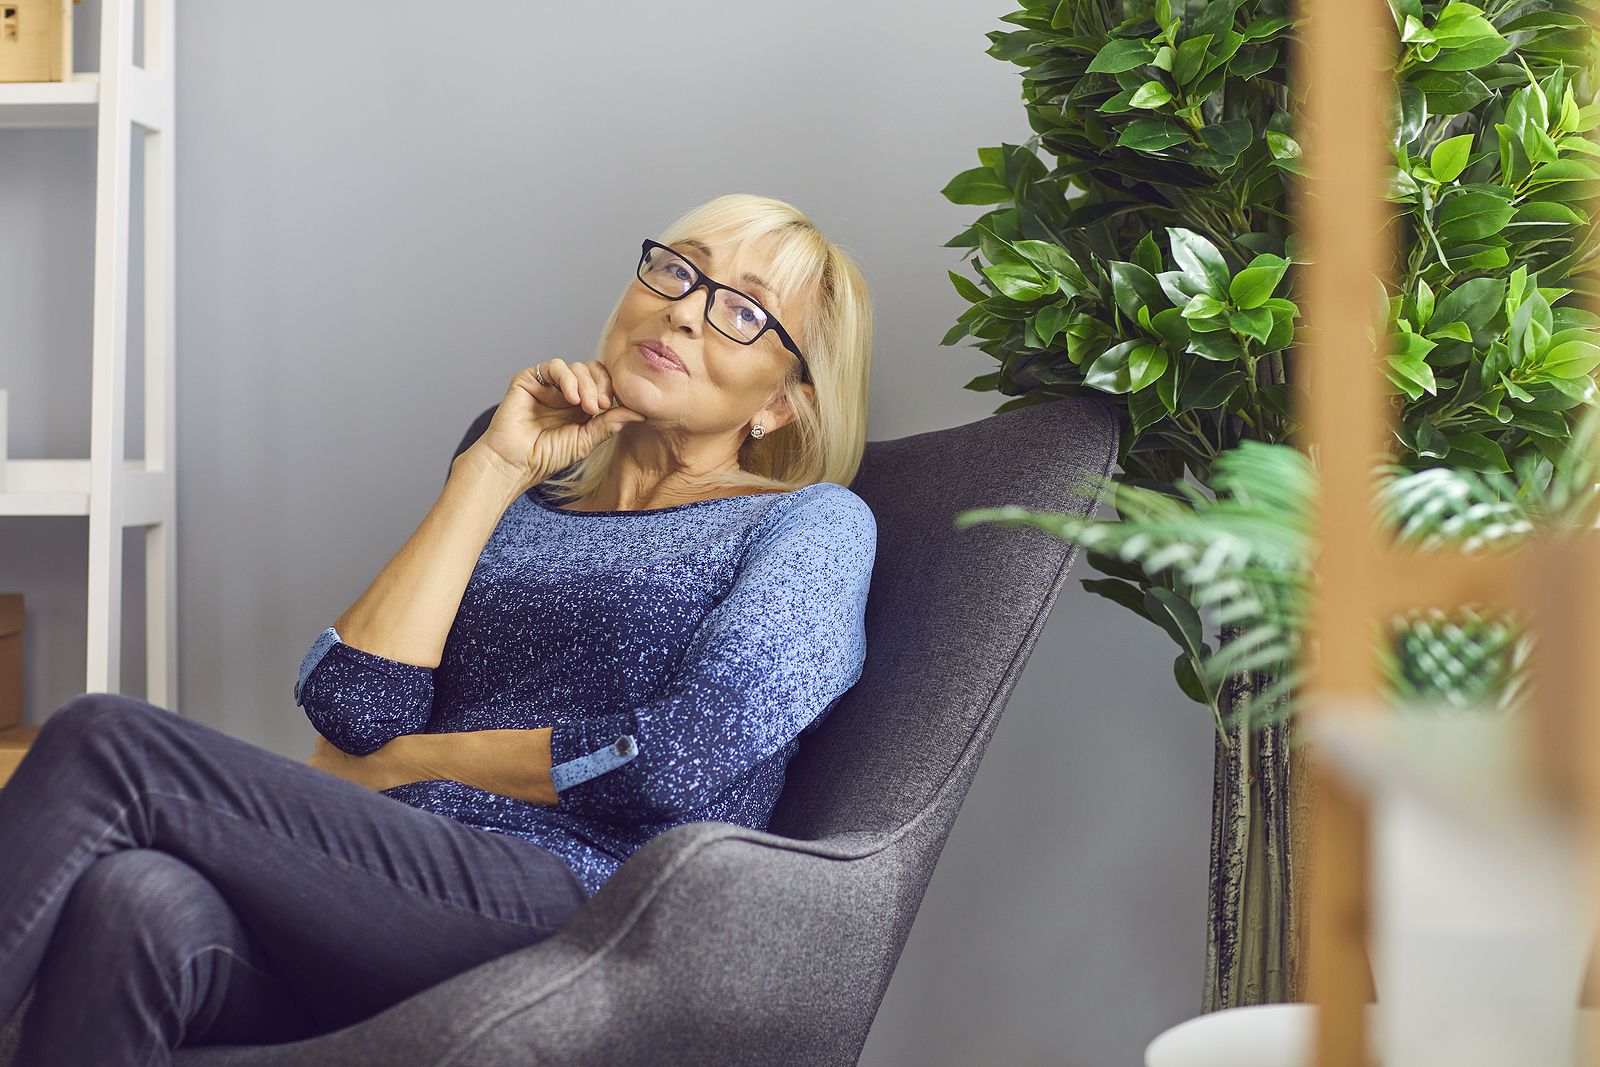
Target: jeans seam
x=188, y=964
x=540, y=921
x=91, y=847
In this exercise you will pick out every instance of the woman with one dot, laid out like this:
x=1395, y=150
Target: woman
x=639, y=585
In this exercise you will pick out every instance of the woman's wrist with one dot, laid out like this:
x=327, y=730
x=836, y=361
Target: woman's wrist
x=481, y=462
x=417, y=755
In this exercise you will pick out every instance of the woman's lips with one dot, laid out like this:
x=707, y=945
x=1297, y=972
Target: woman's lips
x=658, y=361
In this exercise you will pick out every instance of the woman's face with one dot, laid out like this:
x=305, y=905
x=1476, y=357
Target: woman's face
x=723, y=384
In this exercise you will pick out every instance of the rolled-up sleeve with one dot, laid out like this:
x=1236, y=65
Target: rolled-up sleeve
x=767, y=662
x=358, y=700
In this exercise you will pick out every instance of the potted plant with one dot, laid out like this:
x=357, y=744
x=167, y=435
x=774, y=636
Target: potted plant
x=1139, y=247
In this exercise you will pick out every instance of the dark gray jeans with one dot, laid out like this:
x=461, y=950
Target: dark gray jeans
x=162, y=883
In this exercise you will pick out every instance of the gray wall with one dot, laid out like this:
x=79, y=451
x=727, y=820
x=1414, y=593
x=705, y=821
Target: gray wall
x=380, y=220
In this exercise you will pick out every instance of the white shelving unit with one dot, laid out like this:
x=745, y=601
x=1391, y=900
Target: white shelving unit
x=112, y=491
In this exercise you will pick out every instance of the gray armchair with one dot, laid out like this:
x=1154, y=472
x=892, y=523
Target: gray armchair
x=717, y=944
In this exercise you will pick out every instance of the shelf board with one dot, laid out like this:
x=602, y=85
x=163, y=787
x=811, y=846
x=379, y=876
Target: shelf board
x=14, y=744
x=50, y=105
x=61, y=487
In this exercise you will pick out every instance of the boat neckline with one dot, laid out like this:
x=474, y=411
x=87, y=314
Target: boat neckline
x=537, y=496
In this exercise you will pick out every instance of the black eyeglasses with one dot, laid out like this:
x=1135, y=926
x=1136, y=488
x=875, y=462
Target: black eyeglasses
x=731, y=313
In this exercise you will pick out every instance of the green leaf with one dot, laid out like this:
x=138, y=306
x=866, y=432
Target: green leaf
x=1145, y=364
x=1471, y=216
x=1050, y=258
x=1515, y=391
x=1546, y=214
x=1189, y=683
x=1178, y=287
x=967, y=288
x=1451, y=331
x=1216, y=347
x=1203, y=306
x=1473, y=302
x=1450, y=92
x=1190, y=55
x=1051, y=321
x=1571, y=169
x=1151, y=135
x=1147, y=254
x=1109, y=371
x=1476, y=452
x=977, y=186
x=1199, y=260
x=1425, y=305
x=1449, y=159
x=1411, y=376
x=1171, y=328
x=1152, y=94
x=1227, y=140
x=1265, y=27
x=1174, y=614
x=1430, y=442
x=1120, y=54
x=1167, y=385
x=1255, y=323
x=1209, y=386
x=1145, y=410
x=1252, y=287
x=1570, y=360
x=1017, y=280
x=1127, y=594
x=1133, y=287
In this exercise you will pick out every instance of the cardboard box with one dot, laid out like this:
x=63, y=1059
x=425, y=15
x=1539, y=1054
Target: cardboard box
x=15, y=735
x=12, y=617
x=36, y=40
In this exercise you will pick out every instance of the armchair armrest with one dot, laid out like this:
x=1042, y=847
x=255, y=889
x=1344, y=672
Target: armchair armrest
x=713, y=944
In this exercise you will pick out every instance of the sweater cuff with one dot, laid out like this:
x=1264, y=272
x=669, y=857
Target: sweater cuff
x=583, y=750
x=411, y=676
x=359, y=700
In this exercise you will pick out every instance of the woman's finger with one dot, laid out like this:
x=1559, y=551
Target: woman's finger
x=561, y=378
x=602, y=377
x=590, y=388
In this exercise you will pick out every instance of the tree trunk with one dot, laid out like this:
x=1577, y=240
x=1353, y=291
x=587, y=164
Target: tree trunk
x=1251, y=934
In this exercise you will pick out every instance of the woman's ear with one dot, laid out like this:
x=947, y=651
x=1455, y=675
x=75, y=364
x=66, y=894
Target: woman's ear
x=778, y=413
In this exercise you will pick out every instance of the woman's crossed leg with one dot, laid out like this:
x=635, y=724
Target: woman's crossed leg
x=354, y=900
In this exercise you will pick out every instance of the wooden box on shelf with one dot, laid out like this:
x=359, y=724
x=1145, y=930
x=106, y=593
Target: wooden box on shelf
x=15, y=735
x=36, y=40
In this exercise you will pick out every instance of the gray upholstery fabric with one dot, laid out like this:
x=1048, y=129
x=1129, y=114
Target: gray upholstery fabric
x=716, y=944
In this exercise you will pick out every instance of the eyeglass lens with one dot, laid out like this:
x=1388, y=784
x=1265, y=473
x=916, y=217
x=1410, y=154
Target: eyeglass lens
x=671, y=275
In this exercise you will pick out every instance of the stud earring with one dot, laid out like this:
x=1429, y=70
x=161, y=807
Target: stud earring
x=758, y=431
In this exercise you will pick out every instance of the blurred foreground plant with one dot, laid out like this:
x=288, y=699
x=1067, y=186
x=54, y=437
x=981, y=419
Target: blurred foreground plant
x=1192, y=561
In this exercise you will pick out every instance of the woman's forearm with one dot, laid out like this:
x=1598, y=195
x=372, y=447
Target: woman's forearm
x=407, y=611
x=512, y=763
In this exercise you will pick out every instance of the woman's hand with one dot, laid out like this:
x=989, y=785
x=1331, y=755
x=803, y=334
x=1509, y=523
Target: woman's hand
x=380, y=770
x=540, y=429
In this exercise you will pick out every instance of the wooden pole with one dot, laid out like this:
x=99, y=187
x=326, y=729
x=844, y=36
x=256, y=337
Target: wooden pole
x=1343, y=63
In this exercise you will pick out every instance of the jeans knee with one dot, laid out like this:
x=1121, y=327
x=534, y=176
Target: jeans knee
x=95, y=715
x=139, y=891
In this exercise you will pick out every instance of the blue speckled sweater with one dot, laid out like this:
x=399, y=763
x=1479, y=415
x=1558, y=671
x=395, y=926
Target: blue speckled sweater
x=677, y=653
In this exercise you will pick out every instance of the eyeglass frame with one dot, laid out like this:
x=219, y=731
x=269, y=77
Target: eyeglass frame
x=711, y=286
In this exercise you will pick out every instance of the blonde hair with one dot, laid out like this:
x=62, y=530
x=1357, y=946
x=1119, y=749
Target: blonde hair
x=827, y=310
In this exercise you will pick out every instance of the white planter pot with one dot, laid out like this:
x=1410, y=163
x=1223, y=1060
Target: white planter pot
x=1482, y=918
x=1481, y=915
x=1480, y=936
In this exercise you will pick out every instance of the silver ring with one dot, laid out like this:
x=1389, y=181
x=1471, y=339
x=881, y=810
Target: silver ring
x=537, y=373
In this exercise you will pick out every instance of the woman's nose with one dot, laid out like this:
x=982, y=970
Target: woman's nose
x=690, y=309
